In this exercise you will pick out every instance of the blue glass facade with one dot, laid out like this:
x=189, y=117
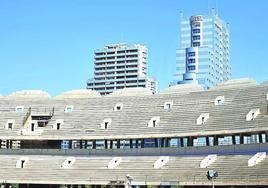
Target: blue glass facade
x=203, y=56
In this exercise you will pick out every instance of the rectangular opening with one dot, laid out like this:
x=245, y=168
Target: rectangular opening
x=105, y=125
x=69, y=109
x=203, y=120
x=252, y=116
x=32, y=127
x=10, y=125
x=22, y=163
x=19, y=109
x=154, y=123
x=58, y=126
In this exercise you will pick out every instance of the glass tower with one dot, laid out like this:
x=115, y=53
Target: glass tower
x=203, y=56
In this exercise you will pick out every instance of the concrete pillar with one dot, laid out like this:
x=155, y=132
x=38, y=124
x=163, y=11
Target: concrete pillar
x=233, y=140
x=130, y=143
x=142, y=143
x=216, y=140
x=118, y=144
x=241, y=138
x=207, y=140
x=137, y=143
x=94, y=144
x=190, y=141
x=260, y=138
x=167, y=142
x=162, y=142
x=105, y=144
x=156, y=142
x=181, y=142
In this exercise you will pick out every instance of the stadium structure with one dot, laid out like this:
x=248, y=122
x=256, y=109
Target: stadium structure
x=181, y=137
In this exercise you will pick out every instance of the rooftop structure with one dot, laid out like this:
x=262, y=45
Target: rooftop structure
x=119, y=66
x=203, y=56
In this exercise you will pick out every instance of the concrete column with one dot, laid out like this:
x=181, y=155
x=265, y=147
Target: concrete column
x=130, y=143
x=167, y=142
x=241, y=138
x=94, y=144
x=142, y=143
x=181, y=142
x=190, y=141
x=118, y=144
x=70, y=144
x=162, y=142
x=216, y=140
x=105, y=144
x=137, y=143
x=233, y=140
x=260, y=137
x=156, y=142
x=207, y=140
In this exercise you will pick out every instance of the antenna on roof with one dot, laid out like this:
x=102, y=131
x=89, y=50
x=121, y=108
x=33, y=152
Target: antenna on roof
x=209, y=10
x=217, y=7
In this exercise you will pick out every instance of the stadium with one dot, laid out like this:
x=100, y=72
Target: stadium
x=183, y=136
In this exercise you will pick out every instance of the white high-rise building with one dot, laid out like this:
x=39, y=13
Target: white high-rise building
x=203, y=56
x=119, y=66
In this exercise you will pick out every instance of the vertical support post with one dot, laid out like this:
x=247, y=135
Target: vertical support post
x=105, y=144
x=233, y=140
x=207, y=140
x=260, y=138
x=142, y=143
x=131, y=143
x=94, y=144
x=181, y=142
x=241, y=138
x=216, y=140
x=111, y=144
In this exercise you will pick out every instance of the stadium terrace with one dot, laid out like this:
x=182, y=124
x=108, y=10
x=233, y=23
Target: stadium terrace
x=132, y=137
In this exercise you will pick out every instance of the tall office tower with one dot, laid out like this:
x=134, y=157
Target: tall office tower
x=119, y=66
x=203, y=56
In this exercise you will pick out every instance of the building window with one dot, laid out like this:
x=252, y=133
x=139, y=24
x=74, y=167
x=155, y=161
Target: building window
x=191, y=54
x=19, y=109
x=196, y=37
x=195, y=44
x=191, y=61
x=196, y=24
x=191, y=67
x=69, y=109
x=196, y=31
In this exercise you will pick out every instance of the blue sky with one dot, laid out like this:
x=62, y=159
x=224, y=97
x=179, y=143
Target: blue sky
x=49, y=44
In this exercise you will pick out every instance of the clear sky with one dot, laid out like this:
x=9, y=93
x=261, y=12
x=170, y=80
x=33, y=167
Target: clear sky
x=49, y=44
